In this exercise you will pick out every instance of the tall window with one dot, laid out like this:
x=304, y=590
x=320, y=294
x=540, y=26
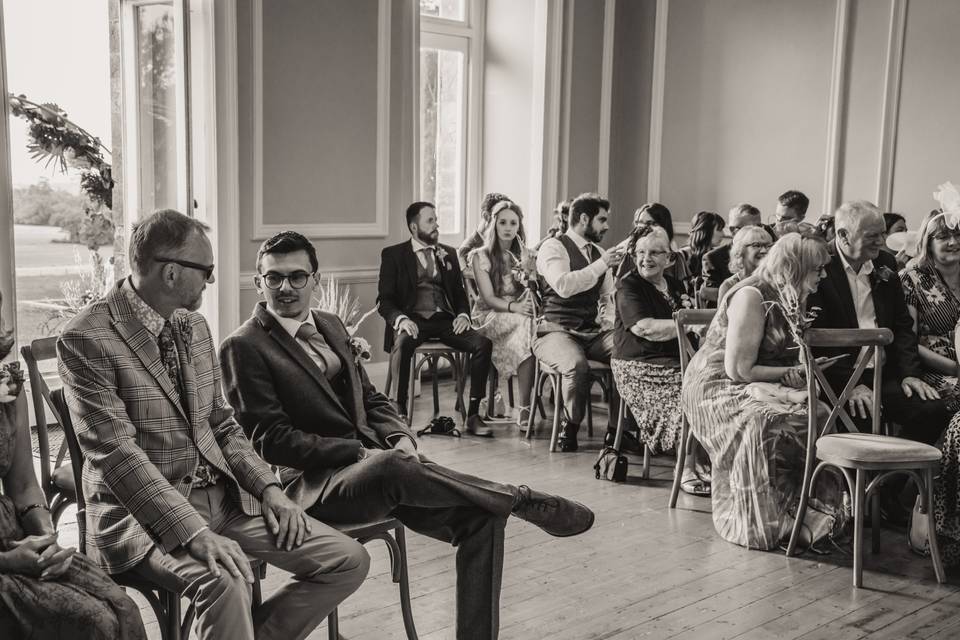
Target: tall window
x=449, y=37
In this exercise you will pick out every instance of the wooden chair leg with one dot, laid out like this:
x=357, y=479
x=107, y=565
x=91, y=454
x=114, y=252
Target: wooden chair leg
x=859, y=501
x=405, y=609
x=434, y=364
x=534, y=400
x=171, y=604
x=492, y=383
x=927, y=492
x=681, y=460
x=557, y=411
x=510, y=395
x=875, y=522
x=621, y=421
x=802, y=507
x=411, y=385
x=645, y=474
x=333, y=626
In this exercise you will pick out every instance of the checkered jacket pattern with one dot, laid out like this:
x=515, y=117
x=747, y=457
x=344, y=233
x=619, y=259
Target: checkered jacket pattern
x=140, y=443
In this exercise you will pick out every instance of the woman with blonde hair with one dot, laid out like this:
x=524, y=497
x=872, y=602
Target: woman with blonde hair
x=744, y=397
x=505, y=308
x=749, y=247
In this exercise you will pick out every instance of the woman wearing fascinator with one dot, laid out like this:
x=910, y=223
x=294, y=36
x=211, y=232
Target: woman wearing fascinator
x=502, y=267
x=48, y=592
x=931, y=285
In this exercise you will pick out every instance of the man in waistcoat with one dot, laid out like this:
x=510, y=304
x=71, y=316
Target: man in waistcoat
x=422, y=297
x=576, y=275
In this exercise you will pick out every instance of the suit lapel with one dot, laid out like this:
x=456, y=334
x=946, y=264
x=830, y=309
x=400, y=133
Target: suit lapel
x=295, y=351
x=838, y=276
x=879, y=300
x=335, y=341
x=142, y=343
x=410, y=262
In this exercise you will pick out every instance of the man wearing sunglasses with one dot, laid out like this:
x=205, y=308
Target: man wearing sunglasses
x=304, y=398
x=175, y=493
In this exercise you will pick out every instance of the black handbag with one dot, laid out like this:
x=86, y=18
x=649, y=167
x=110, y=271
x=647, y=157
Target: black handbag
x=611, y=465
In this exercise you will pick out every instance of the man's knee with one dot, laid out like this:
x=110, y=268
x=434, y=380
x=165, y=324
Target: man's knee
x=228, y=592
x=482, y=345
x=348, y=569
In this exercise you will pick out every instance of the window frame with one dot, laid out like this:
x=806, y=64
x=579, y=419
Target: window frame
x=469, y=35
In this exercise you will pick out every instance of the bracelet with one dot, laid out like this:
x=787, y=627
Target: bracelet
x=30, y=507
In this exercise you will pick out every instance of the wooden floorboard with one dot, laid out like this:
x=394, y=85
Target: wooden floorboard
x=643, y=571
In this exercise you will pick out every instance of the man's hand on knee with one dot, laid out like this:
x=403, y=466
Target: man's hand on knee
x=284, y=517
x=215, y=550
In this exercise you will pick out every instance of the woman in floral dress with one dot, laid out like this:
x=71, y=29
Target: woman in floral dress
x=504, y=310
x=743, y=394
x=46, y=592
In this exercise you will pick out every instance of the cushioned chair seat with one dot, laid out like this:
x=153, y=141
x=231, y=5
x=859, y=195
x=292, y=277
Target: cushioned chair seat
x=870, y=449
x=63, y=479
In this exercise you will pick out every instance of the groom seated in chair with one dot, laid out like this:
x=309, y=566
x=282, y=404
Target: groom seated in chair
x=303, y=397
x=422, y=297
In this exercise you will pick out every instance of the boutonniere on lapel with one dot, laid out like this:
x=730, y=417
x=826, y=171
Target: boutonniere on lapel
x=881, y=275
x=360, y=349
x=11, y=381
x=185, y=329
x=442, y=254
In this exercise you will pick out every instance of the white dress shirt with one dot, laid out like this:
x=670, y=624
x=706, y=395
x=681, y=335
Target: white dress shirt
x=861, y=291
x=418, y=250
x=553, y=263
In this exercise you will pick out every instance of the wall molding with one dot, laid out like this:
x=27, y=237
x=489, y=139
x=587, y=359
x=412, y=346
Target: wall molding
x=836, y=106
x=656, y=101
x=606, y=95
x=889, y=119
x=563, y=167
x=343, y=274
x=379, y=227
x=228, y=177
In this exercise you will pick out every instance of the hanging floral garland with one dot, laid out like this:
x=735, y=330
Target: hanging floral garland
x=56, y=138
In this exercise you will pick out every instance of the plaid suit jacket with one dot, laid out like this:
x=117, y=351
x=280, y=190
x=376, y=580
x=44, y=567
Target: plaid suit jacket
x=138, y=442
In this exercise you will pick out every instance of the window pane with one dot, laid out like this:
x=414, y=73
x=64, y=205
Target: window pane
x=445, y=9
x=157, y=107
x=442, y=134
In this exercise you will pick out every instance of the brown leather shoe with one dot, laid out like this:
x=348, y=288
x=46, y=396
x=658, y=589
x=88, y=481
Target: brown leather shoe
x=556, y=515
x=477, y=427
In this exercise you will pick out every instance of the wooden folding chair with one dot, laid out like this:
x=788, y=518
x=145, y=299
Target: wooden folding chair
x=56, y=480
x=866, y=460
x=685, y=319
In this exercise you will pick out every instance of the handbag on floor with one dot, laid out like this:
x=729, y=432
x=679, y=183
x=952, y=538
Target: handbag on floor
x=611, y=465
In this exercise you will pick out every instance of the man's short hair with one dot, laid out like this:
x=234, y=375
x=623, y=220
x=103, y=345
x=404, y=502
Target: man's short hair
x=156, y=235
x=589, y=204
x=288, y=242
x=486, y=205
x=852, y=212
x=794, y=200
x=745, y=209
x=414, y=210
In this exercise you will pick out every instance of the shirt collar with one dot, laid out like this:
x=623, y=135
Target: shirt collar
x=147, y=315
x=419, y=246
x=580, y=241
x=291, y=325
x=865, y=270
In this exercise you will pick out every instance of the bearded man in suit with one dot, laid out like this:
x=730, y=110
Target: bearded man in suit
x=302, y=395
x=422, y=297
x=175, y=493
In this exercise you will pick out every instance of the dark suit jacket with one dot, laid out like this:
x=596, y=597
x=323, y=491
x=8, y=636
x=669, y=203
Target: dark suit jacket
x=716, y=266
x=289, y=409
x=398, y=284
x=837, y=311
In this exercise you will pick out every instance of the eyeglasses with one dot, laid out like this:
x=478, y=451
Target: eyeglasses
x=652, y=254
x=945, y=235
x=757, y=245
x=297, y=279
x=207, y=269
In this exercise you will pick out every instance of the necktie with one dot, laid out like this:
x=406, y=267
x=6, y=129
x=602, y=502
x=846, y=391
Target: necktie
x=168, y=353
x=309, y=334
x=593, y=254
x=431, y=263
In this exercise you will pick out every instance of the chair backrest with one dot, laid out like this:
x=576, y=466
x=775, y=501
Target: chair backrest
x=871, y=343
x=37, y=351
x=707, y=294
x=59, y=402
x=685, y=319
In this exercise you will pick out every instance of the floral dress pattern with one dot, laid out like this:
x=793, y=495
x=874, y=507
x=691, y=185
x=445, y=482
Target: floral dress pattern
x=756, y=447
x=83, y=604
x=938, y=311
x=511, y=333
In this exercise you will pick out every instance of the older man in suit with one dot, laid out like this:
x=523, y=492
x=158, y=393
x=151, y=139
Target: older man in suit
x=175, y=493
x=300, y=391
x=422, y=297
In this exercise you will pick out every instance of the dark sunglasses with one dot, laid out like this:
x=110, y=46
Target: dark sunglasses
x=207, y=269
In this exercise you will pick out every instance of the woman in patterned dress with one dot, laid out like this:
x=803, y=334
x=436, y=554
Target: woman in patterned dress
x=743, y=396
x=931, y=286
x=46, y=592
x=505, y=309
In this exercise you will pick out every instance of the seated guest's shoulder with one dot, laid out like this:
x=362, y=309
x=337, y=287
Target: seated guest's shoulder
x=91, y=318
x=887, y=260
